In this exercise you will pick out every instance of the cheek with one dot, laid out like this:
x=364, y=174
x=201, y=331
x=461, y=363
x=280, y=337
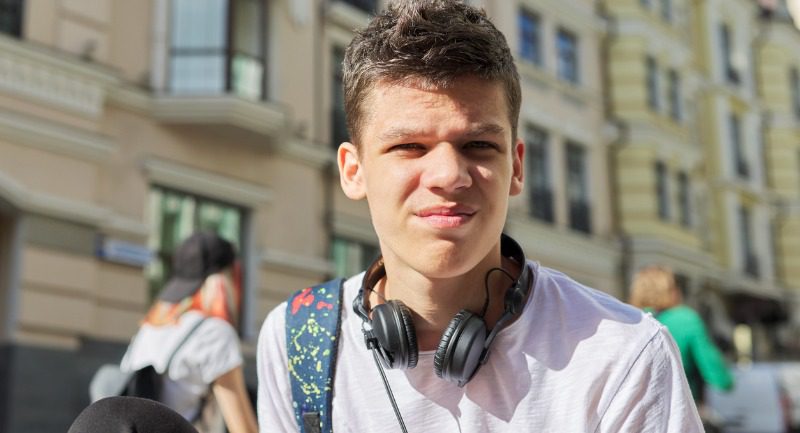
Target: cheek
x=392, y=181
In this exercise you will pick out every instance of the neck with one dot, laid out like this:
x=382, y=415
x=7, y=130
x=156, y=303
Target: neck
x=434, y=302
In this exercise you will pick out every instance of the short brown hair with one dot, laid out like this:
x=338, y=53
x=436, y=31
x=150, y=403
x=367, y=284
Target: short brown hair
x=654, y=287
x=429, y=43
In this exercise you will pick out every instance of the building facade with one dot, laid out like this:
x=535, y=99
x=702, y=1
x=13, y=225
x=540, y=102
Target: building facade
x=696, y=189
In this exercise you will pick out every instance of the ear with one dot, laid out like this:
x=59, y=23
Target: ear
x=517, y=165
x=351, y=173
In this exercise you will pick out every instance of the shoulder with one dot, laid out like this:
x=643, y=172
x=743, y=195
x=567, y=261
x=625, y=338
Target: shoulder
x=585, y=325
x=214, y=343
x=211, y=331
x=557, y=289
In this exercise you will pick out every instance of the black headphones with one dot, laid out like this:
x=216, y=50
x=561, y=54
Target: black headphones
x=464, y=346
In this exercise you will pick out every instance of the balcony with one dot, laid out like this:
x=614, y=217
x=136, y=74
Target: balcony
x=263, y=118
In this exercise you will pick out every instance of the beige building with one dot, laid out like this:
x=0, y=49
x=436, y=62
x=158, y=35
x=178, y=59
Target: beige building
x=124, y=126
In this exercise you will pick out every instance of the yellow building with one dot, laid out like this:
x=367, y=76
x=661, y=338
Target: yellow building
x=778, y=77
x=660, y=183
x=690, y=170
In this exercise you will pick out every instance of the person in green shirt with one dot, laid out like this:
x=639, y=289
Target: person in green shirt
x=654, y=290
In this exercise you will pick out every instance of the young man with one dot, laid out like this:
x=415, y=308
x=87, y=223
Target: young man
x=432, y=99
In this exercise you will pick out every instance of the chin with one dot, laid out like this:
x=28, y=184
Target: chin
x=444, y=260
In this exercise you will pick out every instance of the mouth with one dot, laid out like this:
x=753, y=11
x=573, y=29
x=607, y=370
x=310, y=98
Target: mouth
x=446, y=216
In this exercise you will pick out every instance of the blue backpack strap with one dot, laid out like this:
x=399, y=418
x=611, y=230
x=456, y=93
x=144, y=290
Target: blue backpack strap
x=312, y=329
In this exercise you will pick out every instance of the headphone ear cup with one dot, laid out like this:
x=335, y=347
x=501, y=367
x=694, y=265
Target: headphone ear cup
x=394, y=329
x=460, y=348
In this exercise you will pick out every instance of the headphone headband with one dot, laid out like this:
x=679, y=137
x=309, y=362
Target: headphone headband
x=515, y=295
x=464, y=346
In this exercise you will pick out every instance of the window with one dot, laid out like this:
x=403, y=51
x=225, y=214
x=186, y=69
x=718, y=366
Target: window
x=209, y=56
x=662, y=191
x=726, y=51
x=351, y=257
x=749, y=259
x=666, y=10
x=577, y=189
x=674, y=95
x=645, y=3
x=368, y=6
x=794, y=78
x=539, y=188
x=530, y=43
x=176, y=215
x=685, y=199
x=11, y=17
x=567, y=48
x=741, y=166
x=652, y=83
x=338, y=118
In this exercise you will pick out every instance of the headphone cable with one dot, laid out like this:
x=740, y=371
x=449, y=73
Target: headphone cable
x=389, y=390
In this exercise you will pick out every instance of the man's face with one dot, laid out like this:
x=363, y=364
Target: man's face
x=437, y=168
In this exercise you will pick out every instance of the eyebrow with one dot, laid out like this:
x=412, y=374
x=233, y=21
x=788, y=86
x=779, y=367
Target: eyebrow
x=477, y=131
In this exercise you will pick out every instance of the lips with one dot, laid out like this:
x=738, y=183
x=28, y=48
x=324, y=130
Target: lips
x=446, y=216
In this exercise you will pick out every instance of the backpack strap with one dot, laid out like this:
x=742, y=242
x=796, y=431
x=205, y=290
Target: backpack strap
x=185, y=338
x=312, y=328
x=177, y=348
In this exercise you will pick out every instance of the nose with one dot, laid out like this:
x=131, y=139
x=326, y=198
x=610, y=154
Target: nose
x=446, y=169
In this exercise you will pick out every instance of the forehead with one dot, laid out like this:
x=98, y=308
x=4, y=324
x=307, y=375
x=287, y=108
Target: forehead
x=418, y=104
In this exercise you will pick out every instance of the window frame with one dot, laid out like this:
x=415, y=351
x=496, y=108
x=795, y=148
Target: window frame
x=675, y=100
x=652, y=83
x=228, y=51
x=534, y=41
x=741, y=166
x=166, y=257
x=567, y=52
x=539, y=180
x=685, y=198
x=579, y=208
x=663, y=191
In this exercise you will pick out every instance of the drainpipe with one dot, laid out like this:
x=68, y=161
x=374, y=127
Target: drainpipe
x=614, y=147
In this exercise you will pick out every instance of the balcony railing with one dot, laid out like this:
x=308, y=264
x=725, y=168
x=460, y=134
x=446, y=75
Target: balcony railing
x=580, y=216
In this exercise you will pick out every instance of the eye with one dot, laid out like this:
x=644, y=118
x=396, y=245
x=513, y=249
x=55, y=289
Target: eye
x=406, y=147
x=480, y=145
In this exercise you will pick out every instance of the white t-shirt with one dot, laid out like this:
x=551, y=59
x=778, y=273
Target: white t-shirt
x=211, y=351
x=577, y=360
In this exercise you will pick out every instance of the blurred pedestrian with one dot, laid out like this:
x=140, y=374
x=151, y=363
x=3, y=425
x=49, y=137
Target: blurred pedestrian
x=203, y=380
x=654, y=289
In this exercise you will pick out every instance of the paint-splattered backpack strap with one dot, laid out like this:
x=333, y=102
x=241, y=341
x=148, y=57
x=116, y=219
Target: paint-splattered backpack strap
x=312, y=330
